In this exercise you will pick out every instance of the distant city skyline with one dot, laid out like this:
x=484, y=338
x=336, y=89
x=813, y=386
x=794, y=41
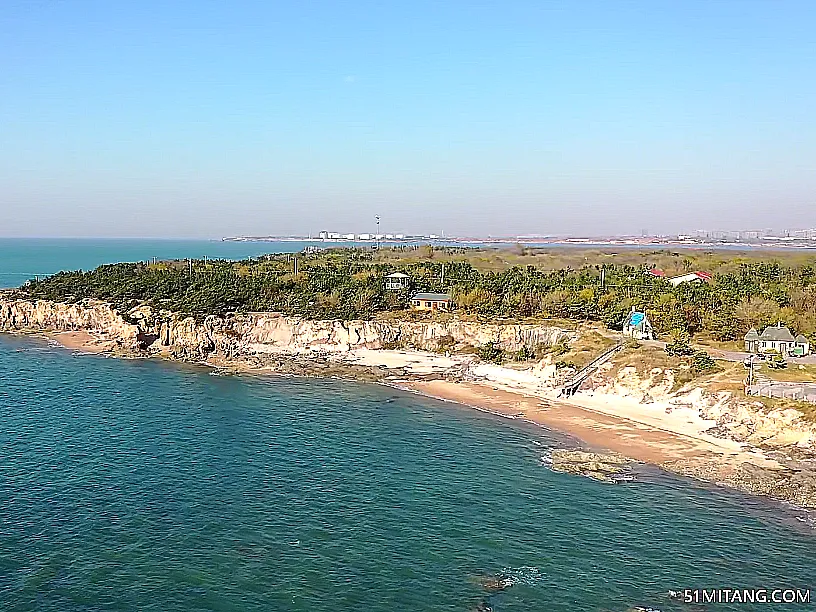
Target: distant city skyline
x=714, y=234
x=202, y=120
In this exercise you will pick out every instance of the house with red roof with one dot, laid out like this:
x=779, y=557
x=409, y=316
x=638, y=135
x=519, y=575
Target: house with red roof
x=691, y=277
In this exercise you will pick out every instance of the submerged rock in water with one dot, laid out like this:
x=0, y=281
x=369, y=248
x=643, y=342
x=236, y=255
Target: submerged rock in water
x=495, y=583
x=606, y=467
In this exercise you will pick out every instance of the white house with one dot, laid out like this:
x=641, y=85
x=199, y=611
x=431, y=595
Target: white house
x=396, y=281
x=776, y=338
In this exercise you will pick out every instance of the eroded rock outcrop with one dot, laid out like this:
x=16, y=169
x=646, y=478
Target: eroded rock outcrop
x=88, y=315
x=794, y=482
x=751, y=422
x=730, y=417
x=271, y=333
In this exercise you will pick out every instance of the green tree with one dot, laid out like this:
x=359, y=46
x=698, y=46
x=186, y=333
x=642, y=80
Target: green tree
x=491, y=352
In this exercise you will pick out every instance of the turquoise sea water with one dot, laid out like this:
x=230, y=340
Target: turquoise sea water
x=24, y=258
x=143, y=485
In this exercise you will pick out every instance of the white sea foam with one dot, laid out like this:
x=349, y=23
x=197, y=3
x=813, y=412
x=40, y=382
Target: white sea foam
x=807, y=517
x=522, y=575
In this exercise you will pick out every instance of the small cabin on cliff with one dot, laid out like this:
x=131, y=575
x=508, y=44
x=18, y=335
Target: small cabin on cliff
x=396, y=281
x=638, y=326
x=431, y=301
x=752, y=341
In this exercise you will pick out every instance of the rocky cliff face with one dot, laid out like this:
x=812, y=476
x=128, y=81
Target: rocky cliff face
x=91, y=315
x=262, y=333
x=780, y=435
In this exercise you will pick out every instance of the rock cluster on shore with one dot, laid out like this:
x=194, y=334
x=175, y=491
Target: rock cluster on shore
x=605, y=467
x=794, y=482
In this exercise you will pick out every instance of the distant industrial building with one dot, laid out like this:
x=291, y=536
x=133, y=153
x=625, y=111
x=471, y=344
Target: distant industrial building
x=364, y=237
x=761, y=235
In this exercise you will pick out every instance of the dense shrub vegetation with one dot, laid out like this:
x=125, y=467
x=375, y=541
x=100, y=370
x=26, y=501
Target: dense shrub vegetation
x=349, y=283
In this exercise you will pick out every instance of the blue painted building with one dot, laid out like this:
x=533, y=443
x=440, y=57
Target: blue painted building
x=638, y=326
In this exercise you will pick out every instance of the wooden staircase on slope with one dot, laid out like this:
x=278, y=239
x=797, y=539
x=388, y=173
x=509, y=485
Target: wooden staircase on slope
x=573, y=384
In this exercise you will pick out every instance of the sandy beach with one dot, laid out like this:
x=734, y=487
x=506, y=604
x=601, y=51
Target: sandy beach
x=646, y=432
x=82, y=341
x=626, y=436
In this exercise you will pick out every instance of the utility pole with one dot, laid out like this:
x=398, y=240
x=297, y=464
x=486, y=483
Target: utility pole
x=190, y=262
x=377, y=235
x=296, y=265
x=751, y=370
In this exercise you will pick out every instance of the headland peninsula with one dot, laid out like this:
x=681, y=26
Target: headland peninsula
x=644, y=355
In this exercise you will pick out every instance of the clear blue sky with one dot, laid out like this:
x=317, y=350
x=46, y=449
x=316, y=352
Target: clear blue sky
x=200, y=118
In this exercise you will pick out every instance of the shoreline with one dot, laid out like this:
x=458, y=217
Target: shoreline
x=594, y=429
x=81, y=341
x=685, y=452
x=598, y=430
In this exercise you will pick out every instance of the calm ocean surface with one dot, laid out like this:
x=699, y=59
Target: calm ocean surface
x=24, y=258
x=143, y=485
